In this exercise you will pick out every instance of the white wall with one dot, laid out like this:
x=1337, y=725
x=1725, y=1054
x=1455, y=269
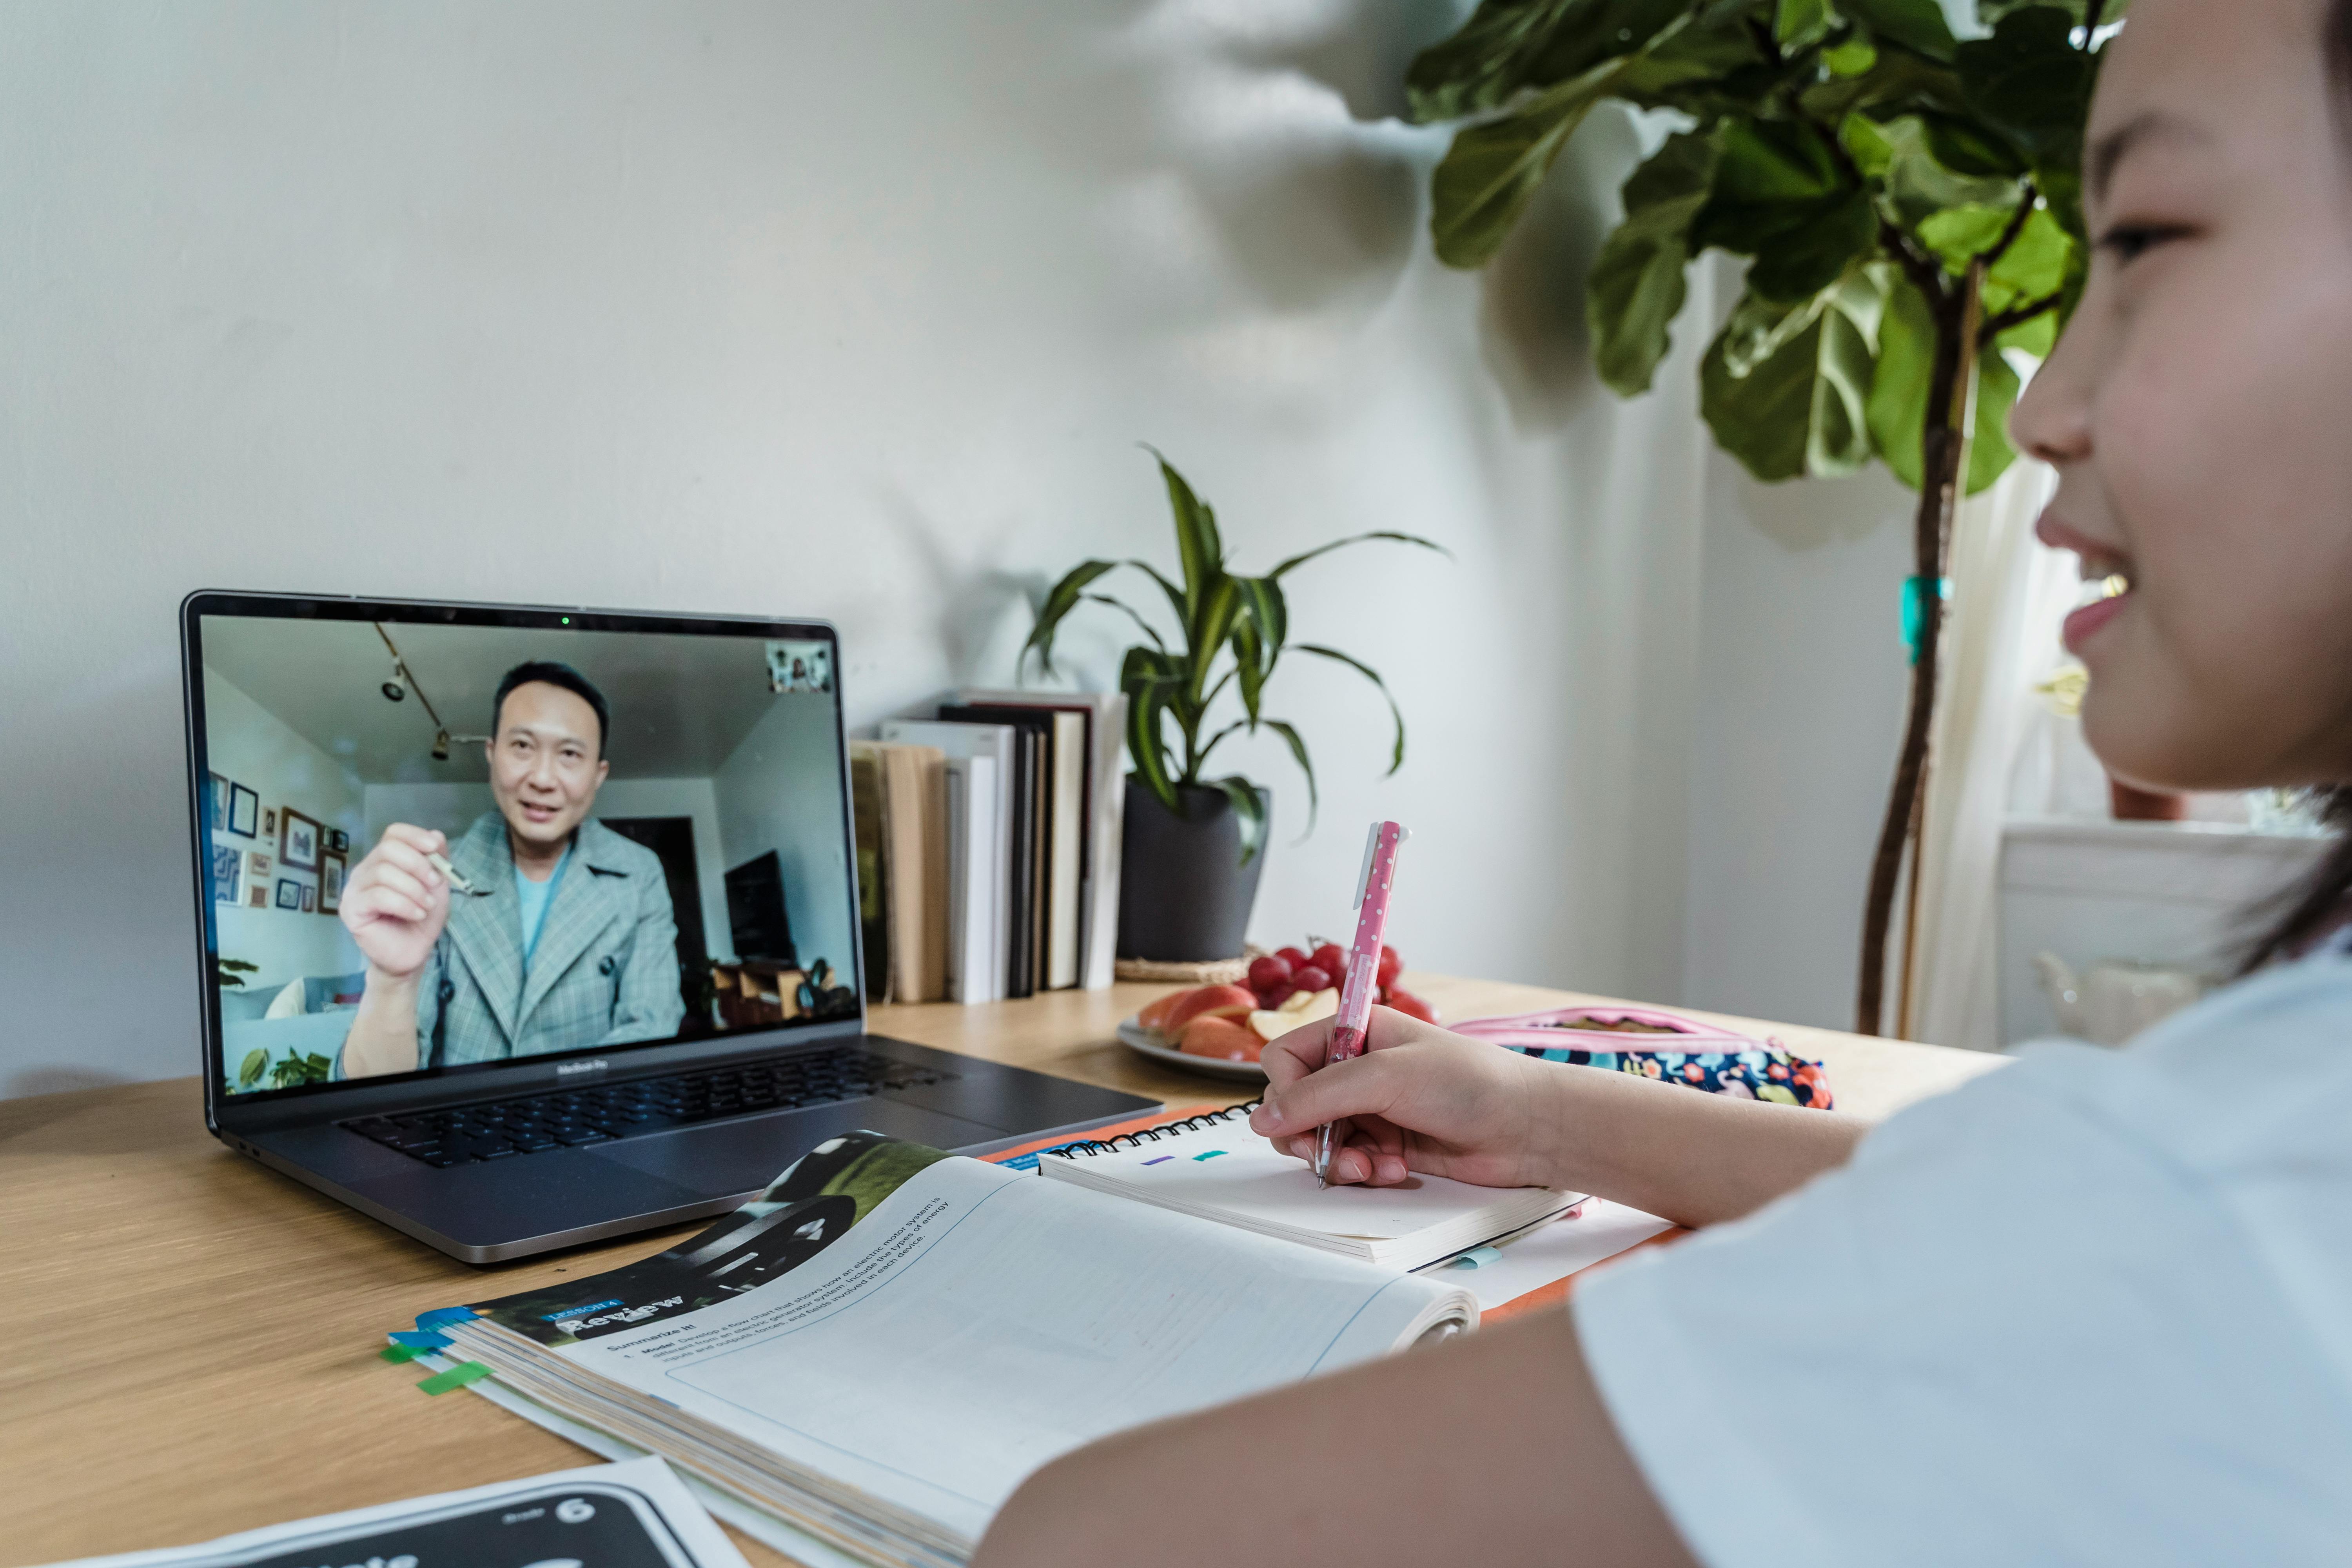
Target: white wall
x=781, y=789
x=1801, y=684
x=859, y=311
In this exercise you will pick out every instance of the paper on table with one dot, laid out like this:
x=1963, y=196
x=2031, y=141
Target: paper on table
x=632, y=1515
x=1551, y=1252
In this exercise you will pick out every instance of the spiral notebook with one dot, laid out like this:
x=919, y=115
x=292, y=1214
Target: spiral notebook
x=1213, y=1167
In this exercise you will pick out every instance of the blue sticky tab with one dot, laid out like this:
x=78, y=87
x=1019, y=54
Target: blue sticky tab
x=440, y=1315
x=1478, y=1257
x=1210, y=1155
x=417, y=1340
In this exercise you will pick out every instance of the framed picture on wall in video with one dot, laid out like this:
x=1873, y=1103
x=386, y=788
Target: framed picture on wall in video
x=225, y=863
x=244, y=811
x=289, y=893
x=331, y=883
x=337, y=840
x=297, y=846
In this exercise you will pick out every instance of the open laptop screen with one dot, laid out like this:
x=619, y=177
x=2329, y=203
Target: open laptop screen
x=649, y=814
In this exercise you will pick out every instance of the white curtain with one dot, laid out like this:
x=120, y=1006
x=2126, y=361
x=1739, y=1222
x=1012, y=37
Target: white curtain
x=2008, y=593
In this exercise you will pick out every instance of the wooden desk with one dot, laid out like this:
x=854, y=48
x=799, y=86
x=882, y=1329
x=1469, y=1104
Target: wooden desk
x=191, y=1341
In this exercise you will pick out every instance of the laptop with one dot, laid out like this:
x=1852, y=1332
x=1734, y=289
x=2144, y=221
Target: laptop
x=522, y=928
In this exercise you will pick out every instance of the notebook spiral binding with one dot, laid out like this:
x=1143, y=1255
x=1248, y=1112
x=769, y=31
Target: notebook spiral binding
x=1126, y=1141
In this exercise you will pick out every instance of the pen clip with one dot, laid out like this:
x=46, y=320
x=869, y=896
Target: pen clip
x=1364, y=876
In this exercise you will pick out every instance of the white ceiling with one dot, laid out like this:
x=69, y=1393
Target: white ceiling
x=681, y=704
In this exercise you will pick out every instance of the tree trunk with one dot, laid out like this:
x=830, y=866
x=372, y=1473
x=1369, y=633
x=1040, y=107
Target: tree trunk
x=1943, y=450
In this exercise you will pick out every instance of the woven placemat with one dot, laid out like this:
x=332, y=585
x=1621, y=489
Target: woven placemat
x=1207, y=972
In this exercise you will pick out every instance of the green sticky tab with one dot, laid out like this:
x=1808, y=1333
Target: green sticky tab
x=456, y=1378
x=398, y=1354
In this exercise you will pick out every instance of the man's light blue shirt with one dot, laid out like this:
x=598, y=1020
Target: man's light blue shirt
x=534, y=898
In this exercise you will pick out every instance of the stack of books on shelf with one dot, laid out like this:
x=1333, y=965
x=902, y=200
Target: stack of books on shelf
x=988, y=846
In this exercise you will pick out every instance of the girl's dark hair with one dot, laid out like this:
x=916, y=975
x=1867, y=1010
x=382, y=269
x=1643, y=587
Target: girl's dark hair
x=2297, y=915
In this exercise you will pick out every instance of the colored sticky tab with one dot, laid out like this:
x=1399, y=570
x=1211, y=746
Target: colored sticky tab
x=1160, y=1161
x=455, y=1377
x=398, y=1354
x=420, y=1340
x=440, y=1315
x=1210, y=1154
x=1478, y=1257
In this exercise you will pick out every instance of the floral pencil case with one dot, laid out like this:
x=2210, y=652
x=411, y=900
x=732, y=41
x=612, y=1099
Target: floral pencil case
x=1665, y=1046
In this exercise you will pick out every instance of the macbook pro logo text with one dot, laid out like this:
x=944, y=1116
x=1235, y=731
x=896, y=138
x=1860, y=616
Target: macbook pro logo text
x=571, y=1069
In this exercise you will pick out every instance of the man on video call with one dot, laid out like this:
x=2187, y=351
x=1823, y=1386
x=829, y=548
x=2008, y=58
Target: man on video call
x=566, y=942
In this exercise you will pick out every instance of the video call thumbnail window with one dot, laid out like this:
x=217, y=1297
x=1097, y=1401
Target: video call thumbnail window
x=435, y=846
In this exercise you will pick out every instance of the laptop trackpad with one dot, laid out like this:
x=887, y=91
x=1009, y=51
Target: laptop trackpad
x=744, y=1156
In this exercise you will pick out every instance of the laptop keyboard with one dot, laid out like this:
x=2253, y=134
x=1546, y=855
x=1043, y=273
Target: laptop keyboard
x=528, y=1124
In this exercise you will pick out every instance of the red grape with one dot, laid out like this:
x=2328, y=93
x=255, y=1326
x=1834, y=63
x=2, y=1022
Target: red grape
x=1269, y=972
x=1412, y=1007
x=1331, y=958
x=1296, y=957
x=1273, y=996
x=1312, y=978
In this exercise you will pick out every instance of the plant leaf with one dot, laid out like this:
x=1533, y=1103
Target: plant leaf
x=1898, y=396
x=1785, y=389
x=1916, y=25
x=1251, y=809
x=1302, y=560
x=1493, y=169
x=1989, y=451
x=1298, y=753
x=1198, y=547
x=1396, y=756
x=1059, y=602
x=248, y=1072
x=1637, y=285
x=1150, y=679
x=1142, y=624
x=1509, y=46
x=1897, y=413
x=1782, y=195
x=1801, y=23
x=1259, y=632
x=1215, y=740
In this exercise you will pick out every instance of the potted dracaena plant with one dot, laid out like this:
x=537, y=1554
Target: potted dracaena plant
x=1911, y=205
x=1193, y=844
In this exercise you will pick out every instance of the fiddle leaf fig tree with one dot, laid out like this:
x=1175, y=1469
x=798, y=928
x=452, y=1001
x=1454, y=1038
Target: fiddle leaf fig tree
x=1231, y=632
x=1910, y=203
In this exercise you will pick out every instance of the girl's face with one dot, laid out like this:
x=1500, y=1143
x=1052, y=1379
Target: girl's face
x=2199, y=406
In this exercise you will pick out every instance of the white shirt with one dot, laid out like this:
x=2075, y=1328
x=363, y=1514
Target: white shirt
x=2093, y=1308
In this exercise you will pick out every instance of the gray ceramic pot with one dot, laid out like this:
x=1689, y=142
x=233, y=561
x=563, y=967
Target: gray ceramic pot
x=1184, y=896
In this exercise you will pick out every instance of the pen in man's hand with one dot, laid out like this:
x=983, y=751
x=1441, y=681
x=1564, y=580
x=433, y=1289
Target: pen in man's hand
x=1361, y=978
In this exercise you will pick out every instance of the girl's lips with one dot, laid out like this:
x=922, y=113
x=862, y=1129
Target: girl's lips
x=2085, y=622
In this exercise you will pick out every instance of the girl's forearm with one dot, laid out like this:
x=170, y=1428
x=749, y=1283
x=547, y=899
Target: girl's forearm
x=1496, y=1450
x=1695, y=1159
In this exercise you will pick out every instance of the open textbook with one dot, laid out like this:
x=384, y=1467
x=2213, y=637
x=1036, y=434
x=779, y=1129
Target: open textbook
x=883, y=1344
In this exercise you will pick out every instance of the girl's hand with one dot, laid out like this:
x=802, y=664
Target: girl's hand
x=1418, y=1100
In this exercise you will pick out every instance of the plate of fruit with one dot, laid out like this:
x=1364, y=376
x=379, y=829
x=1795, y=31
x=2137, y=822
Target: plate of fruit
x=1222, y=1030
